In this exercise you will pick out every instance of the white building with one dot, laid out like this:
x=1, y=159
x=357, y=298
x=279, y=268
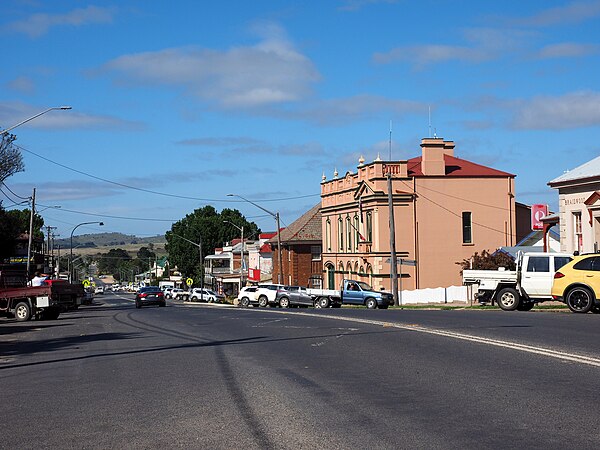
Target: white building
x=579, y=208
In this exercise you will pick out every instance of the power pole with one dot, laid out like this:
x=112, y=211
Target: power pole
x=30, y=230
x=393, y=267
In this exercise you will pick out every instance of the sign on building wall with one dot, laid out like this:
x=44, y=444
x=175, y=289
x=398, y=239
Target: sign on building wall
x=538, y=212
x=254, y=274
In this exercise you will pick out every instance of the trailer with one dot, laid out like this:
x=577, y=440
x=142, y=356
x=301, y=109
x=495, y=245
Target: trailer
x=39, y=302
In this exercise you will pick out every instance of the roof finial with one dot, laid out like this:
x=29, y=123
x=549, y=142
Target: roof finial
x=378, y=158
x=335, y=173
x=361, y=161
x=323, y=178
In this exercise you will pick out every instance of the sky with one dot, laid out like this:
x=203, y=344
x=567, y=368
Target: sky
x=177, y=104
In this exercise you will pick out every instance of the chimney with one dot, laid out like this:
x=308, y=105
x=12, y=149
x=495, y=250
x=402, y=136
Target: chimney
x=434, y=149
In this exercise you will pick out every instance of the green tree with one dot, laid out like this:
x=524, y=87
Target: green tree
x=204, y=224
x=488, y=261
x=11, y=160
x=113, y=260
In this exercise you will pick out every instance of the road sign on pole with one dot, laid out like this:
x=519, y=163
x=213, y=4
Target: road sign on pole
x=189, y=281
x=403, y=262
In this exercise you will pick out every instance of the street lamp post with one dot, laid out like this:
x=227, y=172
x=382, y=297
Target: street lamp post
x=276, y=217
x=71, y=248
x=3, y=132
x=242, y=252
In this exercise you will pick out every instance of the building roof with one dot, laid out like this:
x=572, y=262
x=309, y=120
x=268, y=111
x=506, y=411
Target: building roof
x=588, y=170
x=456, y=167
x=306, y=228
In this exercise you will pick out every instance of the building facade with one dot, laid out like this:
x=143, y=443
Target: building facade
x=579, y=208
x=301, y=248
x=445, y=209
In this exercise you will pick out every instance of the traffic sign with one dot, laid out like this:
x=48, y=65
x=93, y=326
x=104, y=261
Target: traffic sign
x=86, y=283
x=189, y=281
x=403, y=262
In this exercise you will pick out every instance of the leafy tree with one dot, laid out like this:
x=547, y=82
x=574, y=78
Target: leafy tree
x=11, y=160
x=488, y=261
x=113, y=260
x=144, y=253
x=204, y=224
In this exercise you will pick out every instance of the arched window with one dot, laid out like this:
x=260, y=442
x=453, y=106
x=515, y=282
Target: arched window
x=340, y=234
x=330, y=276
x=349, y=233
x=349, y=269
x=369, y=226
x=356, y=233
x=328, y=235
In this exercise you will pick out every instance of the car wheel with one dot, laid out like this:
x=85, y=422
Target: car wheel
x=371, y=303
x=263, y=301
x=580, y=300
x=525, y=306
x=245, y=302
x=508, y=299
x=138, y=305
x=22, y=312
x=163, y=304
x=284, y=302
x=324, y=302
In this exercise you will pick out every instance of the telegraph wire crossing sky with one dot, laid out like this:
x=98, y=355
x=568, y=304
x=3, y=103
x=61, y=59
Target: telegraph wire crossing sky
x=263, y=98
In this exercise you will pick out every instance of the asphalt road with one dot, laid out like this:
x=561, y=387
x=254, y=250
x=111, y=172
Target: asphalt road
x=206, y=376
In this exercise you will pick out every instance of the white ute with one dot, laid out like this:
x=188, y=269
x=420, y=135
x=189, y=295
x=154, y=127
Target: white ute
x=522, y=288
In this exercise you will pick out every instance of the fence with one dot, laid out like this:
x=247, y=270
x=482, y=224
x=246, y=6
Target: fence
x=451, y=294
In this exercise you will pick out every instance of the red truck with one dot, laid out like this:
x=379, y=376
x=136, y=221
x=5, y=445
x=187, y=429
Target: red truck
x=40, y=302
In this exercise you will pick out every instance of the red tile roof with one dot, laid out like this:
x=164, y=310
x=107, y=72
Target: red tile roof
x=456, y=167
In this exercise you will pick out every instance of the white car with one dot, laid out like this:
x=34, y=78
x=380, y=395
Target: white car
x=198, y=294
x=266, y=294
x=246, y=296
x=99, y=290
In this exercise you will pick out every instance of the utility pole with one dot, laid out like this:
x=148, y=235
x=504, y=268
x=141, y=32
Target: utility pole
x=393, y=266
x=48, y=247
x=30, y=231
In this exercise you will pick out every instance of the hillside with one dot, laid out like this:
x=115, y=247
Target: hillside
x=112, y=240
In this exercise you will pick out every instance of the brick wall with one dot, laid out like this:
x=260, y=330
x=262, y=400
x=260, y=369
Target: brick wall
x=298, y=266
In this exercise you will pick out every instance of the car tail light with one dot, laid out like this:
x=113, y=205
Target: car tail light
x=558, y=275
x=160, y=294
x=143, y=295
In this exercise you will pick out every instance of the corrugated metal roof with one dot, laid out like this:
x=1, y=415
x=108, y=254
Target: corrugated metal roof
x=588, y=170
x=306, y=228
x=456, y=167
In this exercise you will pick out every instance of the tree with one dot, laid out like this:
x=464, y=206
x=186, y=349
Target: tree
x=204, y=224
x=14, y=223
x=113, y=260
x=488, y=261
x=11, y=160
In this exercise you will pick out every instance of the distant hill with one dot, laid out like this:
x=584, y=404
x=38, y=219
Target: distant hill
x=107, y=240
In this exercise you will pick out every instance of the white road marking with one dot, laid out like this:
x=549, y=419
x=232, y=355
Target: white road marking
x=565, y=356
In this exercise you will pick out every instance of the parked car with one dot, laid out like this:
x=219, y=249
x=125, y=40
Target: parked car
x=99, y=290
x=266, y=294
x=199, y=294
x=167, y=292
x=246, y=296
x=149, y=295
x=178, y=294
x=294, y=296
x=577, y=283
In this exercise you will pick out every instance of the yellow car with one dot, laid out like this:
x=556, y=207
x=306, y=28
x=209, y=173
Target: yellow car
x=578, y=283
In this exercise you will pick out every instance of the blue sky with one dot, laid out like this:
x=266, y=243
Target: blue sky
x=176, y=104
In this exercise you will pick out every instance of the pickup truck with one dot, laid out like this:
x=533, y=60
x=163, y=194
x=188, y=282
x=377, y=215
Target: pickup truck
x=42, y=302
x=518, y=289
x=351, y=293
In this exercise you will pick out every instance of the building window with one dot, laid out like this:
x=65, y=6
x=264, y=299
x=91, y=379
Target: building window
x=316, y=282
x=340, y=234
x=315, y=251
x=328, y=235
x=369, y=226
x=467, y=229
x=349, y=233
x=356, y=233
x=577, y=234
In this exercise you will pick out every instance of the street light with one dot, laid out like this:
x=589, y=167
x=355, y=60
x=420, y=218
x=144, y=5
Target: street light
x=242, y=259
x=276, y=217
x=199, y=245
x=71, y=247
x=33, y=117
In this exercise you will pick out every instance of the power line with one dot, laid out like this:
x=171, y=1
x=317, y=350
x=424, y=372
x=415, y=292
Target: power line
x=13, y=193
x=149, y=191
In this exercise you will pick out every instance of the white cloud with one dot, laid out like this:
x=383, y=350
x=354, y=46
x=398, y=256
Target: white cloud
x=573, y=110
x=22, y=84
x=568, y=50
x=12, y=113
x=359, y=107
x=270, y=72
x=574, y=12
x=39, y=24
